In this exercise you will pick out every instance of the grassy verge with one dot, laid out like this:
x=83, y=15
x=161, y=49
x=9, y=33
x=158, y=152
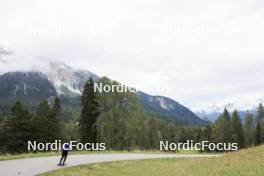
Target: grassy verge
x=26, y=155
x=248, y=162
x=46, y=154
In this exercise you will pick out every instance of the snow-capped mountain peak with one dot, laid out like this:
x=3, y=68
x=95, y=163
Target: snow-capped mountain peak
x=65, y=79
x=212, y=112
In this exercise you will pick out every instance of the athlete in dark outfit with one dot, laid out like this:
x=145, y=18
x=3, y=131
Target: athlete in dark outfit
x=64, y=154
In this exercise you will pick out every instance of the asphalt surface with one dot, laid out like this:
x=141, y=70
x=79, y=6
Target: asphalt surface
x=34, y=166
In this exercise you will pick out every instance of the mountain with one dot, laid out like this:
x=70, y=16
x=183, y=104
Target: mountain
x=210, y=117
x=53, y=78
x=168, y=108
x=31, y=87
x=213, y=112
x=65, y=79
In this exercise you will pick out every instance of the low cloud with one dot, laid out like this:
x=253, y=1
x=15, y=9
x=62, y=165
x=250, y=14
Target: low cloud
x=205, y=57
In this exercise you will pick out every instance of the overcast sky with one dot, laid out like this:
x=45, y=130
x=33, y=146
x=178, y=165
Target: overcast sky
x=206, y=52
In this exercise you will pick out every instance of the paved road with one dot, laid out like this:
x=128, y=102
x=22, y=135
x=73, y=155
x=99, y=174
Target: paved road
x=33, y=166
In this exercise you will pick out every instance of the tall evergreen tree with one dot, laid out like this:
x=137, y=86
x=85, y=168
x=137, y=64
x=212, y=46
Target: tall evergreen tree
x=46, y=122
x=260, y=119
x=43, y=109
x=89, y=113
x=207, y=133
x=18, y=129
x=222, y=129
x=41, y=123
x=258, y=134
x=207, y=136
x=262, y=129
x=249, y=130
x=2, y=137
x=57, y=107
x=56, y=118
x=260, y=112
x=238, y=131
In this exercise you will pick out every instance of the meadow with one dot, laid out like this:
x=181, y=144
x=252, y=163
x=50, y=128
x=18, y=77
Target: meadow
x=247, y=162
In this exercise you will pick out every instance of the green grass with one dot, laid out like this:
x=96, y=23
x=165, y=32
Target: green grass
x=46, y=154
x=248, y=162
x=26, y=155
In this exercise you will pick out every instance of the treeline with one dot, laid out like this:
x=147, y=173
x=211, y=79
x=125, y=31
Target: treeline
x=20, y=126
x=117, y=119
x=228, y=128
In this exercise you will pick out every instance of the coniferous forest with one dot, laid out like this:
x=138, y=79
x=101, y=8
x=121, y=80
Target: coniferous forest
x=118, y=120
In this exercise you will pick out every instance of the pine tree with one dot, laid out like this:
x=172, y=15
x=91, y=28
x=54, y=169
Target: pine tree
x=260, y=112
x=249, y=130
x=41, y=123
x=207, y=133
x=89, y=113
x=2, y=137
x=222, y=129
x=237, y=128
x=18, y=129
x=258, y=135
x=57, y=108
x=207, y=136
x=46, y=122
x=260, y=120
x=43, y=109
x=55, y=118
x=262, y=128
